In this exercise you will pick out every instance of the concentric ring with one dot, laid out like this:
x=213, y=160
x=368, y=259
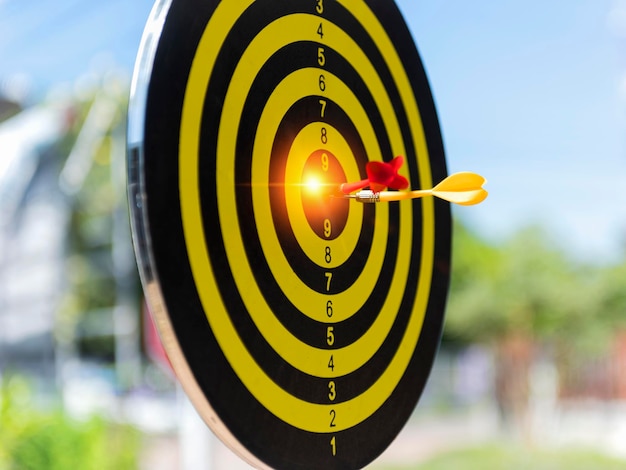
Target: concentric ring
x=310, y=326
x=299, y=414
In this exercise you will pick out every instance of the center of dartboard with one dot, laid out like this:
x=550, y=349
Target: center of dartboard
x=325, y=208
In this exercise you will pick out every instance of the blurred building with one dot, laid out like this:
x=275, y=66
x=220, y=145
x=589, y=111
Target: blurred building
x=33, y=223
x=69, y=295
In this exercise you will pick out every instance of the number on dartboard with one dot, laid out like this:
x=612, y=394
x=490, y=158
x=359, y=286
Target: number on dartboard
x=329, y=277
x=329, y=308
x=320, y=31
x=330, y=335
x=325, y=162
x=331, y=363
x=321, y=58
x=322, y=82
x=320, y=6
x=332, y=390
x=333, y=446
x=327, y=257
x=327, y=228
x=333, y=415
x=324, y=136
x=323, y=110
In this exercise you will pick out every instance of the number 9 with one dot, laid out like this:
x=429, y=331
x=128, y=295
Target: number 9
x=325, y=162
x=327, y=228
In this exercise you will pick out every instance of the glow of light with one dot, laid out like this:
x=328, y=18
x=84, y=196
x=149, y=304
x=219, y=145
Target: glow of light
x=313, y=185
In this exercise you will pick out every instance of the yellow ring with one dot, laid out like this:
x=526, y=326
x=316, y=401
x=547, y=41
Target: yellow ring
x=312, y=245
x=306, y=416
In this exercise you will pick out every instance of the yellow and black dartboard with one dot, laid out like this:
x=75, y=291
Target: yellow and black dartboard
x=302, y=324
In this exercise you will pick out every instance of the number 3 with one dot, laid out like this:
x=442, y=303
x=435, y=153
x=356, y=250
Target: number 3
x=320, y=6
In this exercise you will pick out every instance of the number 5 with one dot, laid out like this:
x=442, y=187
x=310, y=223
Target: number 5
x=321, y=58
x=330, y=336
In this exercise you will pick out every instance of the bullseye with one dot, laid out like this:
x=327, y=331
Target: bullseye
x=326, y=213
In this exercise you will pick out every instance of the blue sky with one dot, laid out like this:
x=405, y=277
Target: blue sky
x=530, y=94
x=55, y=42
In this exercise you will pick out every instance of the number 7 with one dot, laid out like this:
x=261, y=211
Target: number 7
x=329, y=276
x=323, y=111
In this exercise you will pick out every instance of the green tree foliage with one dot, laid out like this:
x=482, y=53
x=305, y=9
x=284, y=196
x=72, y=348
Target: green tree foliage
x=31, y=438
x=527, y=286
x=526, y=298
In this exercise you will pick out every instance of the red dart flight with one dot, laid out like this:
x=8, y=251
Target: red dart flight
x=380, y=175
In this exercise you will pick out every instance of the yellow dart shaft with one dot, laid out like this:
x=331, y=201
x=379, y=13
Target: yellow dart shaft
x=387, y=196
x=463, y=198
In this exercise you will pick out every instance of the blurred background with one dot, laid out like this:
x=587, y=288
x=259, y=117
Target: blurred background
x=532, y=367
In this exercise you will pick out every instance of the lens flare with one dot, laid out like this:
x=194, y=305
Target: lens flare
x=313, y=185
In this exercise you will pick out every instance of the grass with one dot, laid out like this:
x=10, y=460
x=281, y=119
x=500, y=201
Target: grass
x=496, y=456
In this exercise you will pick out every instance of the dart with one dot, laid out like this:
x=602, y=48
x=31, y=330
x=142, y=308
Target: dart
x=464, y=188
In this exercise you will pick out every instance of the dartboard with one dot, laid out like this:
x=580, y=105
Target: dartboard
x=302, y=324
